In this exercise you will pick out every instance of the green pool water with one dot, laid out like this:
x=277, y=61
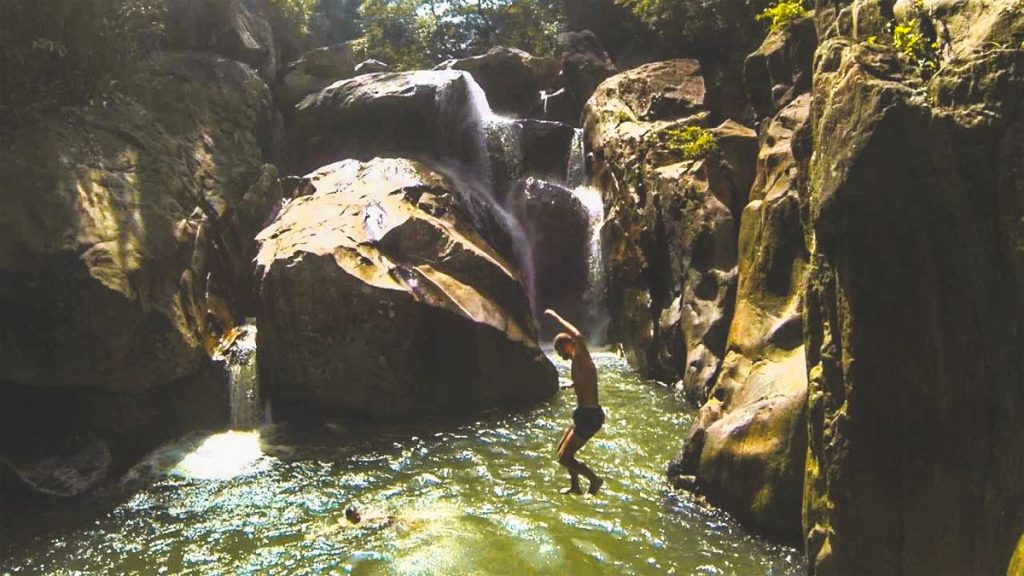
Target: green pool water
x=478, y=498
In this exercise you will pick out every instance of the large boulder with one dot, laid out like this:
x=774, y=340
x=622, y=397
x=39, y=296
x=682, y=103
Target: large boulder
x=436, y=114
x=585, y=65
x=511, y=78
x=379, y=298
x=126, y=243
x=238, y=29
x=557, y=227
x=748, y=444
x=670, y=228
x=914, y=314
x=316, y=70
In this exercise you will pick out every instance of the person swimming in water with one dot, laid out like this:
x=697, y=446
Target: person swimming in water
x=588, y=417
x=354, y=516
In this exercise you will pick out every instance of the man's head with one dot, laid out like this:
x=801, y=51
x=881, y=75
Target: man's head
x=352, y=514
x=565, y=346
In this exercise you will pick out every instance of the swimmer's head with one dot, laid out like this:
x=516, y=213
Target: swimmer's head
x=564, y=346
x=352, y=514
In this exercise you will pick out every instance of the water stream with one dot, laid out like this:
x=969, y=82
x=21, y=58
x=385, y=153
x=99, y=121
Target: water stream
x=476, y=498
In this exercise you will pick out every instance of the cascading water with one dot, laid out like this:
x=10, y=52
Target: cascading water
x=594, y=297
x=468, y=125
x=239, y=352
x=576, y=171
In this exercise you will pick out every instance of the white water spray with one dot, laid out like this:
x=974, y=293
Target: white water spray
x=594, y=297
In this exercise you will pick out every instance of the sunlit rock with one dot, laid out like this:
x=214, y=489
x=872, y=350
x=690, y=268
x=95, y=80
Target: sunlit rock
x=378, y=297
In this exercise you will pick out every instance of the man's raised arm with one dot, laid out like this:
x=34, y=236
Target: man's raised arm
x=572, y=330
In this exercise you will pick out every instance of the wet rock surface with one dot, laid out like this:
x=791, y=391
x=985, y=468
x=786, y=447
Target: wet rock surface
x=379, y=298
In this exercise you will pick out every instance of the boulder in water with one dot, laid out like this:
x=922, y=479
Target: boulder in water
x=378, y=297
x=556, y=224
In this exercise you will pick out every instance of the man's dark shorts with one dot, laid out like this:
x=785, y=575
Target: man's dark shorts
x=588, y=421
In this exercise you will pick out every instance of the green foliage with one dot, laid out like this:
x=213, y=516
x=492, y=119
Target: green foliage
x=692, y=142
x=783, y=13
x=420, y=33
x=912, y=45
x=705, y=28
x=296, y=15
x=69, y=51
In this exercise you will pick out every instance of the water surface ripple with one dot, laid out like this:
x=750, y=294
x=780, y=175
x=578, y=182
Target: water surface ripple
x=479, y=498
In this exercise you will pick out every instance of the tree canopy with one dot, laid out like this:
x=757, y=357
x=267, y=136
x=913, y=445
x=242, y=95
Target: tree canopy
x=421, y=33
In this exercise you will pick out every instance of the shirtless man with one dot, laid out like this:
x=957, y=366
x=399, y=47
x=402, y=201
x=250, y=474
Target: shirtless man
x=588, y=417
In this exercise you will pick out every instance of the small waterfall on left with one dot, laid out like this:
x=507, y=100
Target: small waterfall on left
x=238, y=351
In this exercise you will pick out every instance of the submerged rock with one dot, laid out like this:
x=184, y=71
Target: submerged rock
x=670, y=230
x=914, y=316
x=748, y=444
x=378, y=297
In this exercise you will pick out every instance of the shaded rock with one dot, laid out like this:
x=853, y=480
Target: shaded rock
x=556, y=224
x=529, y=148
x=379, y=298
x=316, y=70
x=511, y=78
x=557, y=106
x=237, y=29
x=914, y=317
x=670, y=230
x=126, y=242
x=748, y=444
x=585, y=65
x=371, y=66
x=781, y=68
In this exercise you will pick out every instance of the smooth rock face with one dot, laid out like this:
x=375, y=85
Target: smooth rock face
x=126, y=242
x=379, y=298
x=748, y=445
x=670, y=232
x=914, y=314
x=556, y=224
x=419, y=114
x=511, y=78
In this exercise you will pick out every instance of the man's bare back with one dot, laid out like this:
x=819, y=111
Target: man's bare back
x=588, y=417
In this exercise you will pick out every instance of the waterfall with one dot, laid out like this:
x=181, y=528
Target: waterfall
x=470, y=127
x=594, y=297
x=576, y=171
x=238, y=350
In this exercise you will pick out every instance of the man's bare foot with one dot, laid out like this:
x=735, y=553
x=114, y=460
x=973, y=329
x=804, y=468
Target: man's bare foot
x=595, y=486
x=574, y=489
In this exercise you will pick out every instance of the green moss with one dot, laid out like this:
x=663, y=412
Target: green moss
x=692, y=142
x=782, y=13
x=621, y=116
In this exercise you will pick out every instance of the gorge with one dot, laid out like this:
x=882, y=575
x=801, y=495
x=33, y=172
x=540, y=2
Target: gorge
x=260, y=277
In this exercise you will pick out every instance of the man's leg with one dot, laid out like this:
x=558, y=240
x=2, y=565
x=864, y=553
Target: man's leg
x=567, y=458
